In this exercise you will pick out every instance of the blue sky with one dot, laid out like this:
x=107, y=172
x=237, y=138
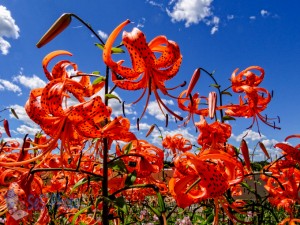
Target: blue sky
x=216, y=35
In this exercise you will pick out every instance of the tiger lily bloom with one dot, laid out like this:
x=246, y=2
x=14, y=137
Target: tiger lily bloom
x=213, y=135
x=191, y=105
x=177, y=143
x=144, y=158
x=246, y=78
x=148, y=72
x=256, y=98
x=197, y=179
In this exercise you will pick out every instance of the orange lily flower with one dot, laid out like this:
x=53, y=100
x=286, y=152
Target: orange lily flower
x=256, y=98
x=213, y=135
x=74, y=123
x=177, y=142
x=145, y=160
x=246, y=78
x=148, y=72
x=197, y=179
x=192, y=107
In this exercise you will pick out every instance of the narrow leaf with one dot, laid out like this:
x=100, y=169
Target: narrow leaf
x=227, y=118
x=114, y=50
x=98, y=80
x=128, y=148
x=215, y=85
x=118, y=165
x=14, y=113
x=78, y=214
x=226, y=93
x=161, y=203
x=121, y=204
x=84, y=181
x=130, y=179
x=111, y=96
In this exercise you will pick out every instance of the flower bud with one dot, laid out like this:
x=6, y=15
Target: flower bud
x=59, y=25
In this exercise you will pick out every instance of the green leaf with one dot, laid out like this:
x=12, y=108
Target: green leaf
x=161, y=203
x=215, y=85
x=128, y=148
x=210, y=219
x=245, y=185
x=155, y=211
x=101, y=46
x=98, y=80
x=114, y=50
x=78, y=214
x=226, y=93
x=130, y=178
x=111, y=96
x=14, y=113
x=121, y=204
x=227, y=118
x=84, y=181
x=96, y=72
x=118, y=165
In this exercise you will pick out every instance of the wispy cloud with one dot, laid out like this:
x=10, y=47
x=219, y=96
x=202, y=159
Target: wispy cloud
x=194, y=12
x=264, y=13
x=8, y=29
x=29, y=82
x=153, y=3
x=154, y=110
x=248, y=135
x=141, y=22
x=6, y=85
x=230, y=17
x=252, y=138
x=27, y=126
x=252, y=17
x=102, y=34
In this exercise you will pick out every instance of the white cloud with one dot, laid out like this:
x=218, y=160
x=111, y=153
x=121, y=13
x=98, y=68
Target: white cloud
x=102, y=34
x=9, y=86
x=25, y=129
x=8, y=29
x=154, y=110
x=215, y=22
x=141, y=22
x=230, y=17
x=28, y=126
x=191, y=11
x=30, y=82
x=269, y=143
x=20, y=111
x=264, y=13
x=248, y=135
x=252, y=17
x=153, y=3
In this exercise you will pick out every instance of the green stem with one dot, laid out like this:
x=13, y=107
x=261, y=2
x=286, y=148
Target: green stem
x=89, y=27
x=105, y=209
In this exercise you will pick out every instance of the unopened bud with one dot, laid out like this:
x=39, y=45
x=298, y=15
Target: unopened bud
x=59, y=25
